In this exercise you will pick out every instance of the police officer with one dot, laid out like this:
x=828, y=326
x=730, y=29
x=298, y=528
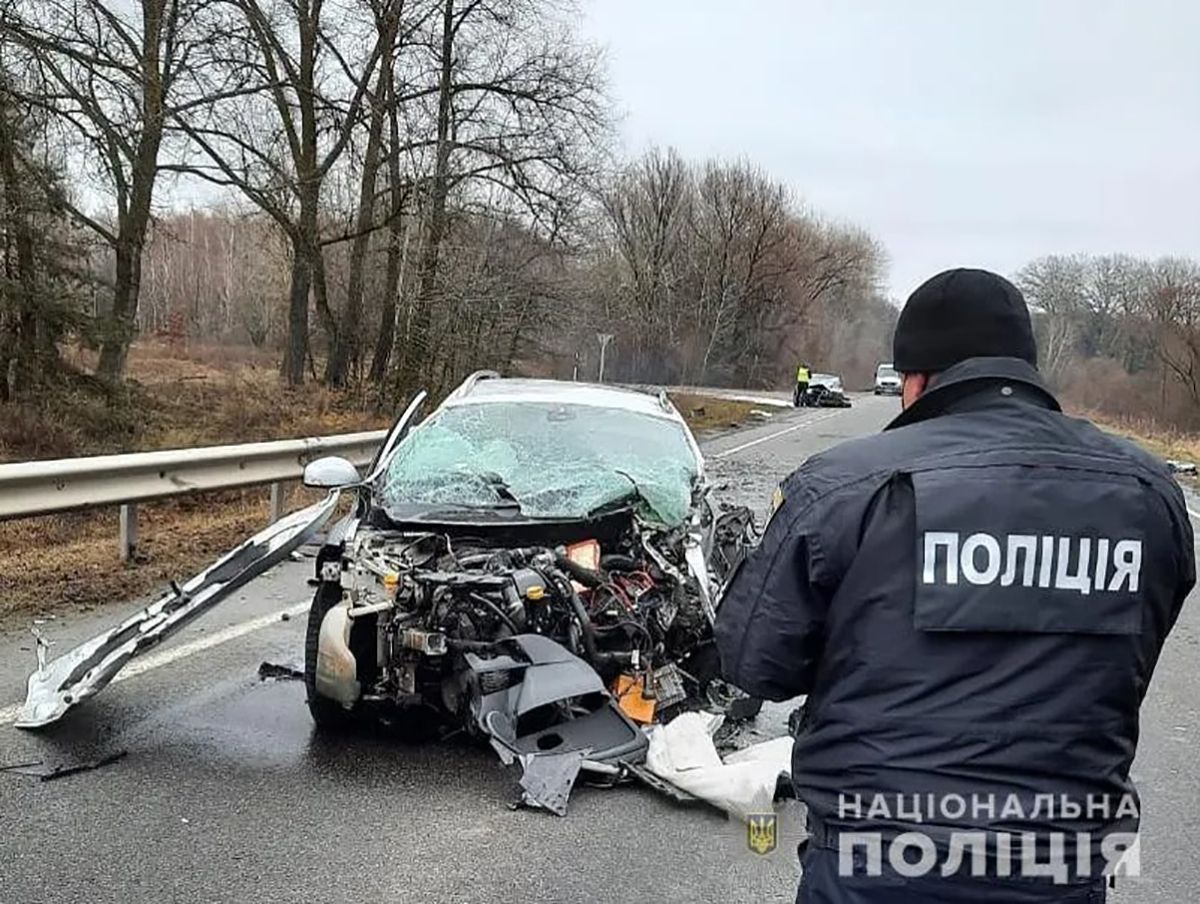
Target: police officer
x=973, y=602
x=802, y=378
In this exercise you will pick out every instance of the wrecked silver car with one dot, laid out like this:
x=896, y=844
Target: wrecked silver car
x=536, y=562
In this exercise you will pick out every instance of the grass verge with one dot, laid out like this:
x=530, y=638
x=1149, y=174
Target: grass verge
x=1166, y=444
x=704, y=413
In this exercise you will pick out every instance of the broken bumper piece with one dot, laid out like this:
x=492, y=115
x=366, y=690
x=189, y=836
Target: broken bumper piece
x=548, y=711
x=58, y=685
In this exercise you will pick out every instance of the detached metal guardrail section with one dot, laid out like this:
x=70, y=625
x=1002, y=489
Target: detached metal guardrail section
x=69, y=484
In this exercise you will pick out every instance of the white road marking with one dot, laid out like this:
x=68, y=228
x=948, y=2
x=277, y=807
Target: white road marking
x=775, y=435
x=1195, y=514
x=155, y=660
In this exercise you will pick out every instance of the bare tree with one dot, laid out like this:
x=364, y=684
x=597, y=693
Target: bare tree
x=397, y=248
x=718, y=275
x=1173, y=305
x=276, y=138
x=518, y=121
x=1055, y=288
x=740, y=220
x=649, y=212
x=110, y=72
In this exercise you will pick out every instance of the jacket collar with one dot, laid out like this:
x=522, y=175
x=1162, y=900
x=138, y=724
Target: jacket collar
x=971, y=377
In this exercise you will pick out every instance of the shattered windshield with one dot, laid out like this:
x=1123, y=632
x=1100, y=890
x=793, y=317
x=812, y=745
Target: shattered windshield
x=541, y=460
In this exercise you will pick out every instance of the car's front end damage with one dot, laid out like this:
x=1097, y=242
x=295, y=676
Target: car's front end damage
x=553, y=639
x=826, y=391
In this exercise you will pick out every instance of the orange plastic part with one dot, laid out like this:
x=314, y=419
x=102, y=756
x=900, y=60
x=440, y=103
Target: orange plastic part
x=629, y=692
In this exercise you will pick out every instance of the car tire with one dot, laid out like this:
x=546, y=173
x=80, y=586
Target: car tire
x=329, y=716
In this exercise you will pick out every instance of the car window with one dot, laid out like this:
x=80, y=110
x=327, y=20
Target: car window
x=553, y=460
x=886, y=370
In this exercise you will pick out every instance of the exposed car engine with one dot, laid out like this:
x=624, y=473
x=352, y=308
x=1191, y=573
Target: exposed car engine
x=419, y=604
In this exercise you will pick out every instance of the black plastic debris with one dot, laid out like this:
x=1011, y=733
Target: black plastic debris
x=45, y=773
x=18, y=767
x=274, y=671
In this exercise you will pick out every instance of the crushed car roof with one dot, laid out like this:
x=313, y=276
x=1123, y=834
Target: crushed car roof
x=504, y=389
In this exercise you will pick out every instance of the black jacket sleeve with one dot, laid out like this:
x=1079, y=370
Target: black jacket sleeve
x=770, y=620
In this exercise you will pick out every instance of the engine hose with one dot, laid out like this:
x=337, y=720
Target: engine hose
x=617, y=562
x=585, y=622
x=478, y=558
x=581, y=573
x=496, y=610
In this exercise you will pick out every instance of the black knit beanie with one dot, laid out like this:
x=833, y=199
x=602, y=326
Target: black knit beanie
x=962, y=314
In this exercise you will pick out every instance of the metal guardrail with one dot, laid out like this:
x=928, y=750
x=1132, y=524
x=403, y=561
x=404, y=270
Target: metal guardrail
x=45, y=487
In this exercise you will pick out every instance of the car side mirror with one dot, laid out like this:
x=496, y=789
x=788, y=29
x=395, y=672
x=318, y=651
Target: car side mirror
x=330, y=472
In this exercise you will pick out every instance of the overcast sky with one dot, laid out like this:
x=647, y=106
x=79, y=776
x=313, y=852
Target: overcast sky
x=959, y=133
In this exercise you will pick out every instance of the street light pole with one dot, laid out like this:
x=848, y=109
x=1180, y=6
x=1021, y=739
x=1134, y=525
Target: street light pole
x=604, y=339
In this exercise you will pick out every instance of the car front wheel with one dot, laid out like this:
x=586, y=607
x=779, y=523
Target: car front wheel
x=329, y=715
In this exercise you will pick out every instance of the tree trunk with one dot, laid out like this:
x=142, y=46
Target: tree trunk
x=344, y=352
x=297, y=340
x=417, y=347
x=120, y=328
x=19, y=347
x=135, y=220
x=306, y=249
x=397, y=254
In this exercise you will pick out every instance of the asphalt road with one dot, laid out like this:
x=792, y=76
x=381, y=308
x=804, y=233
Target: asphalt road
x=225, y=794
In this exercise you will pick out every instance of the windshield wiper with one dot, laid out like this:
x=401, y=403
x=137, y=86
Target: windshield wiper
x=500, y=487
x=615, y=503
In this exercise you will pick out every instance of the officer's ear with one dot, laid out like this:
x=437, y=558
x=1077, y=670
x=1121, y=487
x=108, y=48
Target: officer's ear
x=912, y=387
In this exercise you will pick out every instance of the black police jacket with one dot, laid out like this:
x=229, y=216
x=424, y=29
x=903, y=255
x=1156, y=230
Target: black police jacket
x=974, y=602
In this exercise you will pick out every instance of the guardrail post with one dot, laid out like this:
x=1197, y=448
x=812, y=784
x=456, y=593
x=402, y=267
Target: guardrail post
x=277, y=501
x=128, y=538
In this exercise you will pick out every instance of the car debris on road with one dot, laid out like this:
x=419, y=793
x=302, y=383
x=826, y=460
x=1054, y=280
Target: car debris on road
x=537, y=563
x=274, y=671
x=40, y=770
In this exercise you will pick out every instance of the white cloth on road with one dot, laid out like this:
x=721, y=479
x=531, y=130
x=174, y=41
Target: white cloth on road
x=683, y=753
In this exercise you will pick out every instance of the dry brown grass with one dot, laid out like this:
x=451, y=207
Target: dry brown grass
x=72, y=560
x=704, y=413
x=176, y=397
x=1166, y=444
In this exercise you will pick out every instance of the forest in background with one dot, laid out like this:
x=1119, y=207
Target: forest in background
x=385, y=194
x=397, y=192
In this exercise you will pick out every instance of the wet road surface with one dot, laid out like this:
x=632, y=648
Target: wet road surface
x=226, y=795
